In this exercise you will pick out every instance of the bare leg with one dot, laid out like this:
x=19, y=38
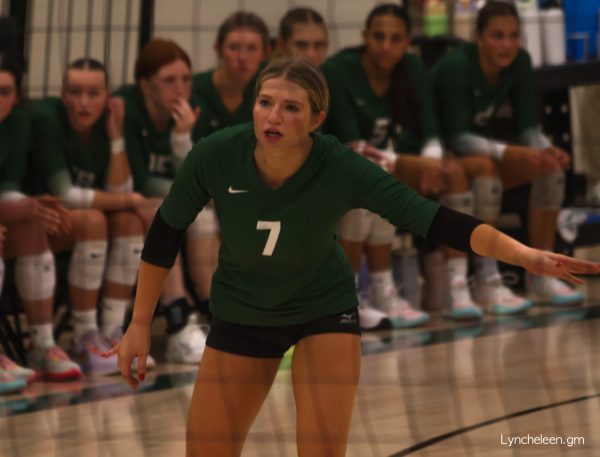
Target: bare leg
x=541, y=222
x=29, y=239
x=87, y=225
x=325, y=374
x=354, y=252
x=229, y=391
x=542, y=228
x=379, y=258
x=122, y=224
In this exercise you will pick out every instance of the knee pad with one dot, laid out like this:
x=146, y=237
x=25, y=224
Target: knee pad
x=487, y=197
x=86, y=267
x=124, y=260
x=382, y=231
x=548, y=192
x=205, y=224
x=462, y=202
x=35, y=276
x=355, y=226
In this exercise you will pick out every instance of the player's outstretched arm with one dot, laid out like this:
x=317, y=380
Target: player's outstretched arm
x=489, y=242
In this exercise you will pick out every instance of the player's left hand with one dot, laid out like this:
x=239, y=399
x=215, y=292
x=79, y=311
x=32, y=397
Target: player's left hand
x=558, y=265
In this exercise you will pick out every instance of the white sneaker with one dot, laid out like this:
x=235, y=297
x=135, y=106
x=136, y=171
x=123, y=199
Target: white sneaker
x=461, y=306
x=499, y=299
x=187, y=345
x=546, y=290
x=371, y=318
x=399, y=311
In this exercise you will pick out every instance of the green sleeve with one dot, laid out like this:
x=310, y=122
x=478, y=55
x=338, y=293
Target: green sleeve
x=340, y=121
x=453, y=92
x=48, y=144
x=372, y=188
x=15, y=166
x=188, y=194
x=421, y=83
x=134, y=148
x=523, y=95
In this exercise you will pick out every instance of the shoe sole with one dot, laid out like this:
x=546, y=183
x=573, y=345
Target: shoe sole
x=399, y=323
x=463, y=316
x=66, y=376
x=502, y=310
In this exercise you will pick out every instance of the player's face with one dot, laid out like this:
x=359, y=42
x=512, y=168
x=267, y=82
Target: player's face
x=85, y=95
x=500, y=40
x=282, y=114
x=308, y=41
x=241, y=53
x=171, y=83
x=386, y=41
x=8, y=94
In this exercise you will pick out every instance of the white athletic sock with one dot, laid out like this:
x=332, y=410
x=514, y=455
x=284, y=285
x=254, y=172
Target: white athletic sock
x=381, y=283
x=41, y=335
x=84, y=321
x=113, y=314
x=485, y=268
x=456, y=267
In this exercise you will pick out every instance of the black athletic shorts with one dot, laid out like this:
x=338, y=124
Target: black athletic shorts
x=273, y=342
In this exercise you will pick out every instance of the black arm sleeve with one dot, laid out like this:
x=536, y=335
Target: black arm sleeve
x=453, y=229
x=162, y=243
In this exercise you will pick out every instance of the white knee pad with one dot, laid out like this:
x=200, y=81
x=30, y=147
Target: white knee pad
x=124, y=259
x=205, y=224
x=35, y=276
x=382, y=231
x=548, y=192
x=86, y=267
x=487, y=197
x=461, y=202
x=355, y=226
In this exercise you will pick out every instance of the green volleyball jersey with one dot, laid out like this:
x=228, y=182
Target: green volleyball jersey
x=280, y=262
x=467, y=104
x=214, y=115
x=148, y=151
x=14, y=148
x=358, y=113
x=60, y=154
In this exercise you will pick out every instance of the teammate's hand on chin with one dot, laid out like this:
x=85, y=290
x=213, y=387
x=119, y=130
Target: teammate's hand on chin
x=185, y=116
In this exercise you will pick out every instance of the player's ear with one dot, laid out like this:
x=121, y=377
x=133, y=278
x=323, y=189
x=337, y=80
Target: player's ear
x=318, y=120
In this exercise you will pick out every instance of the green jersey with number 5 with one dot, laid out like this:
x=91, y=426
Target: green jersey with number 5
x=280, y=262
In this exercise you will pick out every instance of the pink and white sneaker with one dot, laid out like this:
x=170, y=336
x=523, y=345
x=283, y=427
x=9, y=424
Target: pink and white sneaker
x=460, y=303
x=399, y=311
x=498, y=299
x=549, y=291
x=53, y=364
x=16, y=371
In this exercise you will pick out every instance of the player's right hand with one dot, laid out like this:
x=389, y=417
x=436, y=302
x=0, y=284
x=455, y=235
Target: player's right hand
x=135, y=343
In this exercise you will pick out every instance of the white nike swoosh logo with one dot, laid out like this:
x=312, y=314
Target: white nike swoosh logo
x=231, y=190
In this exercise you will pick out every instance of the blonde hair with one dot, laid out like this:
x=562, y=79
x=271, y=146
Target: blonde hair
x=301, y=72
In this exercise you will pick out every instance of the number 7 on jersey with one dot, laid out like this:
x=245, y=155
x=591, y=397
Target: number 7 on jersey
x=274, y=227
